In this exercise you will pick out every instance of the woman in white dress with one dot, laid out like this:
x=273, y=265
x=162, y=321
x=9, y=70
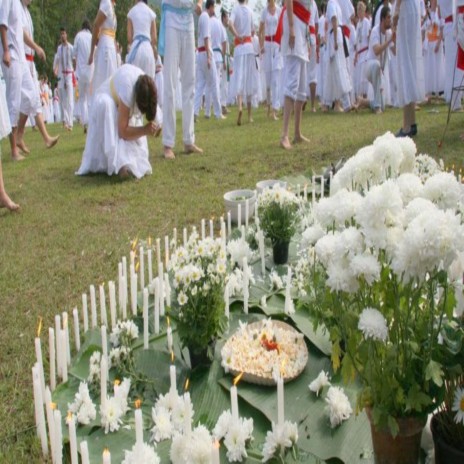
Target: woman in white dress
x=434, y=57
x=104, y=32
x=113, y=144
x=245, y=72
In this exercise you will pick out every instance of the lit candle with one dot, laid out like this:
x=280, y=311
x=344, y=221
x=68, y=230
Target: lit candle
x=58, y=437
x=245, y=285
x=50, y=420
x=59, y=350
x=158, y=251
x=229, y=223
x=166, y=251
x=93, y=306
x=145, y=319
x=167, y=290
x=104, y=340
x=103, y=380
x=203, y=232
x=67, y=345
x=39, y=410
x=169, y=337
x=132, y=258
x=305, y=192
x=51, y=347
x=38, y=355
x=187, y=416
x=134, y=293
x=184, y=234
x=84, y=452
x=85, y=312
x=172, y=375
x=106, y=456
x=215, y=452
x=103, y=318
x=112, y=290
x=247, y=212
x=261, y=252
x=157, y=311
x=64, y=364
x=150, y=264
x=313, y=190
x=211, y=228
x=280, y=402
x=234, y=403
x=72, y=438
x=138, y=427
x=239, y=215
x=77, y=335
x=161, y=288
x=142, y=268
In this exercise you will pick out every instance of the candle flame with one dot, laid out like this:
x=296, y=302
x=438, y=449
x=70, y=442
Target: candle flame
x=138, y=403
x=69, y=416
x=237, y=378
x=134, y=243
x=106, y=452
x=169, y=322
x=172, y=356
x=137, y=266
x=53, y=406
x=149, y=241
x=39, y=327
x=187, y=384
x=117, y=382
x=282, y=368
x=216, y=444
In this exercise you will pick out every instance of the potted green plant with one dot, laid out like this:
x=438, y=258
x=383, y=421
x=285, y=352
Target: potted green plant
x=199, y=271
x=279, y=213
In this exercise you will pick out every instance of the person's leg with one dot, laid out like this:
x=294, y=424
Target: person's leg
x=301, y=96
x=5, y=200
x=289, y=104
x=409, y=117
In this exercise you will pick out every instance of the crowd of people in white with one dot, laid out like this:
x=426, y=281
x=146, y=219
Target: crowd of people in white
x=341, y=56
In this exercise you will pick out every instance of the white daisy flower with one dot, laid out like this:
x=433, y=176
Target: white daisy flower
x=142, y=453
x=458, y=405
x=373, y=324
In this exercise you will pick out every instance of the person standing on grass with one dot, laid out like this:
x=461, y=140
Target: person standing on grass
x=177, y=46
x=226, y=74
x=295, y=22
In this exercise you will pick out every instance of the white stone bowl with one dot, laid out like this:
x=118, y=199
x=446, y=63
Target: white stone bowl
x=238, y=197
x=264, y=184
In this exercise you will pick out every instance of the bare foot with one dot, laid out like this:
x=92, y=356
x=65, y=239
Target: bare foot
x=300, y=139
x=8, y=203
x=124, y=172
x=378, y=111
x=313, y=110
x=274, y=117
x=462, y=137
x=250, y=119
x=285, y=143
x=189, y=149
x=22, y=146
x=168, y=153
x=52, y=142
x=17, y=157
x=239, y=119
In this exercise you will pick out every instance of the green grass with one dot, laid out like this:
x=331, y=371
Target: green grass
x=72, y=231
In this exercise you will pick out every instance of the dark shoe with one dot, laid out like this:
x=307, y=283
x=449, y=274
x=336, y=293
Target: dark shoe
x=413, y=130
x=401, y=133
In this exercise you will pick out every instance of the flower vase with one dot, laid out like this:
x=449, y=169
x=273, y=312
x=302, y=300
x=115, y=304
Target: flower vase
x=402, y=449
x=280, y=252
x=444, y=452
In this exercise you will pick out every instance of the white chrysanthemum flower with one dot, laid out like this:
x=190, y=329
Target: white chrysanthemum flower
x=223, y=424
x=409, y=154
x=458, y=405
x=340, y=277
x=279, y=439
x=111, y=414
x=338, y=406
x=239, y=249
x=388, y=154
x=425, y=166
x=337, y=209
x=367, y=266
x=410, y=187
x=373, y=324
x=94, y=368
x=417, y=207
x=142, y=453
x=182, y=298
x=319, y=382
x=311, y=235
x=83, y=406
x=162, y=430
x=180, y=449
x=200, y=448
x=443, y=189
x=183, y=408
x=236, y=439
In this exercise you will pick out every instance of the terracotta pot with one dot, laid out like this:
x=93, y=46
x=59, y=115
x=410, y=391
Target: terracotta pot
x=444, y=453
x=404, y=448
x=280, y=252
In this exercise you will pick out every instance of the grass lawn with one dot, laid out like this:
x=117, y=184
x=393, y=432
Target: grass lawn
x=72, y=231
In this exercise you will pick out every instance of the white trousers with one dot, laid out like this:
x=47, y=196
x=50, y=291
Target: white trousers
x=215, y=92
x=206, y=83
x=179, y=54
x=373, y=74
x=67, y=99
x=273, y=82
x=225, y=86
x=295, y=78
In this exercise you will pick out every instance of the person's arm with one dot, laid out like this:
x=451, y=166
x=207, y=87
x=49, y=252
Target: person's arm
x=334, y=21
x=379, y=48
x=99, y=20
x=198, y=7
x=127, y=132
x=396, y=14
x=261, y=36
x=291, y=32
x=6, y=51
x=130, y=31
x=154, y=38
x=31, y=44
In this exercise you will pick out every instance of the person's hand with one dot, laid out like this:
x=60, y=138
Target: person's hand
x=291, y=38
x=396, y=17
x=6, y=58
x=40, y=53
x=150, y=128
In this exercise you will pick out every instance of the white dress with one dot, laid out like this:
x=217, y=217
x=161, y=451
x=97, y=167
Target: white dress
x=105, y=55
x=434, y=61
x=104, y=150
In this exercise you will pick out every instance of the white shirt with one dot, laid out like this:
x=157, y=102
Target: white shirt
x=363, y=29
x=142, y=17
x=11, y=17
x=204, y=31
x=180, y=22
x=106, y=7
x=28, y=27
x=218, y=37
x=242, y=19
x=347, y=10
x=377, y=38
x=81, y=49
x=63, y=59
x=270, y=21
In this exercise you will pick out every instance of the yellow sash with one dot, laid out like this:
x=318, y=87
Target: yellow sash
x=109, y=32
x=114, y=95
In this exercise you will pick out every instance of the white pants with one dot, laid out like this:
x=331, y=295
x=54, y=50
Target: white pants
x=217, y=90
x=67, y=99
x=206, y=84
x=373, y=74
x=273, y=88
x=225, y=86
x=84, y=85
x=453, y=75
x=179, y=54
x=295, y=78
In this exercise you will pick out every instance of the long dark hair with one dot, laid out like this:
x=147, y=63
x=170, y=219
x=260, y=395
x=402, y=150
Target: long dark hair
x=146, y=96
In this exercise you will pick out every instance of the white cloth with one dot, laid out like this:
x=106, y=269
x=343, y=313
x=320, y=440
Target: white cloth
x=57, y=105
x=179, y=21
x=295, y=78
x=5, y=126
x=300, y=28
x=363, y=29
x=64, y=64
x=218, y=38
x=204, y=30
x=105, y=59
x=410, y=68
x=104, y=150
x=84, y=72
x=347, y=11
x=434, y=61
x=242, y=19
x=11, y=17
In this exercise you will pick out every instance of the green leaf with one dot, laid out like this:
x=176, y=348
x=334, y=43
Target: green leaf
x=434, y=372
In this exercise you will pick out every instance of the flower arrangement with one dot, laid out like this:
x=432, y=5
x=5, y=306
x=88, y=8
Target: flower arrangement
x=199, y=272
x=383, y=246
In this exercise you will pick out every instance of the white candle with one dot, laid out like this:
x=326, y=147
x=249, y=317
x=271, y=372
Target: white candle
x=167, y=290
x=172, y=375
x=322, y=186
x=298, y=189
x=158, y=251
x=106, y=457
x=85, y=312
x=247, y=212
x=223, y=235
x=120, y=287
x=138, y=427
x=305, y=192
x=261, y=252
x=103, y=318
x=72, y=439
x=39, y=409
x=64, y=364
x=174, y=237
x=187, y=416
x=203, y=232
x=132, y=258
x=112, y=290
x=145, y=319
x=234, y=403
x=161, y=288
x=58, y=437
x=184, y=236
x=313, y=190
x=169, y=337
x=239, y=215
x=166, y=251
x=150, y=264
x=59, y=350
x=280, y=402
x=51, y=347
x=38, y=354
x=211, y=228
x=226, y=301
x=330, y=184
x=64, y=317
x=134, y=294
x=288, y=290
x=93, y=306
x=256, y=209
x=104, y=340
x=50, y=421
x=84, y=452
x=124, y=294
x=77, y=335
x=103, y=380
x=215, y=452
x=245, y=285
x=142, y=268
x=229, y=223
x=157, y=309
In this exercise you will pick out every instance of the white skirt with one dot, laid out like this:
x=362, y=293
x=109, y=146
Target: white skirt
x=434, y=67
x=145, y=59
x=245, y=75
x=104, y=150
x=105, y=63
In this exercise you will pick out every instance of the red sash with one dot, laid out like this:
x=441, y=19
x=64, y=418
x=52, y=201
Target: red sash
x=244, y=40
x=363, y=50
x=460, y=59
x=299, y=11
x=449, y=19
x=201, y=49
x=312, y=30
x=270, y=38
x=346, y=31
x=29, y=57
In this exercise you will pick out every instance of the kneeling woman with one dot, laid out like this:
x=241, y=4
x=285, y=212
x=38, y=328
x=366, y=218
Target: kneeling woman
x=116, y=139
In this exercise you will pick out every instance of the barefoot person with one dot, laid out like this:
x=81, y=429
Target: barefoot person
x=113, y=145
x=295, y=22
